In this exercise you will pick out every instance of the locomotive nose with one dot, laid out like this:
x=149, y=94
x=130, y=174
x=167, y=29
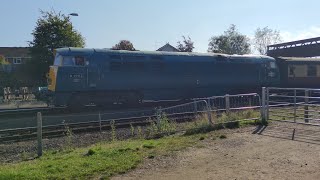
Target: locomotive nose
x=51, y=77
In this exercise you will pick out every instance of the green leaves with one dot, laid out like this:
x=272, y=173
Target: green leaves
x=186, y=45
x=53, y=30
x=231, y=42
x=124, y=45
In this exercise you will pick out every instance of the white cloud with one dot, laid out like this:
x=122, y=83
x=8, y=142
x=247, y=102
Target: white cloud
x=311, y=32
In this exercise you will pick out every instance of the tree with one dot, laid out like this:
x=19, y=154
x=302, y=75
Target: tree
x=3, y=60
x=124, y=45
x=231, y=42
x=186, y=45
x=264, y=37
x=53, y=30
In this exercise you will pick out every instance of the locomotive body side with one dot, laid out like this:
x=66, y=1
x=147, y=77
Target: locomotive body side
x=108, y=76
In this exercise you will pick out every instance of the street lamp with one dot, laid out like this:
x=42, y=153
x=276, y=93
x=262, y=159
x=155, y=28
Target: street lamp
x=73, y=14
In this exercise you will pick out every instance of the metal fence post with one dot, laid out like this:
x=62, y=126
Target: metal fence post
x=100, y=125
x=306, y=106
x=267, y=103
x=295, y=106
x=209, y=103
x=227, y=98
x=39, y=133
x=263, y=104
x=195, y=107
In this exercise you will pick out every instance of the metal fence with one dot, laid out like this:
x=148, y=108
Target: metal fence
x=212, y=110
x=216, y=109
x=293, y=105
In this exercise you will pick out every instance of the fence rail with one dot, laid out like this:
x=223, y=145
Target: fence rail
x=295, y=105
x=211, y=110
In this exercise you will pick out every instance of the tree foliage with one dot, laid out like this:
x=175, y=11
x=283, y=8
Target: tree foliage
x=3, y=60
x=186, y=45
x=230, y=42
x=264, y=37
x=124, y=45
x=53, y=30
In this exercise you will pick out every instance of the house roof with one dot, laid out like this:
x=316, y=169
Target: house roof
x=15, y=51
x=168, y=46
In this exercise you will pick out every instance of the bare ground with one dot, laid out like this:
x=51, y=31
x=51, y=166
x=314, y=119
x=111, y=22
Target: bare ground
x=246, y=154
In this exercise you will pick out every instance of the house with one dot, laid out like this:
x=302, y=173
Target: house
x=14, y=56
x=168, y=47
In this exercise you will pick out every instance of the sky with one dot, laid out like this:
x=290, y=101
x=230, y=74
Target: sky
x=149, y=24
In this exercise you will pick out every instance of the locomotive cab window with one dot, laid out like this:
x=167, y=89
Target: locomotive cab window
x=79, y=61
x=312, y=70
x=73, y=61
x=57, y=60
x=68, y=61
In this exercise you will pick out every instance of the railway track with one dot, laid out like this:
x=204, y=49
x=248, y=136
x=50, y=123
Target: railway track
x=51, y=131
x=18, y=125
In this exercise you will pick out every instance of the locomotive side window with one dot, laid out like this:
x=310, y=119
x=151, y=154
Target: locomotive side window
x=68, y=61
x=312, y=71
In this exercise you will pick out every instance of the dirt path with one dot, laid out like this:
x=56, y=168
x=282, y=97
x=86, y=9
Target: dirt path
x=243, y=155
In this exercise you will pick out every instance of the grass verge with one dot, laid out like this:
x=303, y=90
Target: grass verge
x=106, y=159
x=102, y=160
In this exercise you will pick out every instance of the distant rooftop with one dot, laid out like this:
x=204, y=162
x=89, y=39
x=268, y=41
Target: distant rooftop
x=168, y=47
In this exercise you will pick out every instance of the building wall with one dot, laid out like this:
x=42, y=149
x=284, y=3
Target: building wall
x=15, y=56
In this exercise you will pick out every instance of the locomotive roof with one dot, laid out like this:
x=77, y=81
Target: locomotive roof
x=91, y=51
x=304, y=59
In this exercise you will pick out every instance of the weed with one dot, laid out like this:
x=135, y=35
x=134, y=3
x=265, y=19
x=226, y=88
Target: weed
x=201, y=138
x=24, y=156
x=164, y=126
x=151, y=156
x=113, y=130
x=148, y=145
x=91, y=152
x=132, y=130
x=140, y=134
x=69, y=135
x=222, y=136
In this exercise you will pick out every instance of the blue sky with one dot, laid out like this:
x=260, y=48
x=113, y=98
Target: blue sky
x=149, y=24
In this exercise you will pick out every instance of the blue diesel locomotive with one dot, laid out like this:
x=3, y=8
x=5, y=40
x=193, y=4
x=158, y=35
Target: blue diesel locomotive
x=81, y=76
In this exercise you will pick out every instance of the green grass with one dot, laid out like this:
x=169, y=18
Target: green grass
x=102, y=160
x=106, y=159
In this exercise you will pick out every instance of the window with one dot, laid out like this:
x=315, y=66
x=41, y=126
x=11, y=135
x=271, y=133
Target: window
x=79, y=61
x=57, y=60
x=68, y=61
x=291, y=70
x=16, y=60
x=312, y=71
